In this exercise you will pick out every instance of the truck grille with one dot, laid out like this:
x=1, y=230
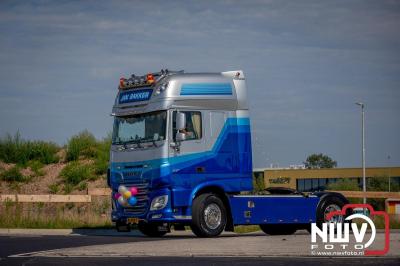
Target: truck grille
x=134, y=179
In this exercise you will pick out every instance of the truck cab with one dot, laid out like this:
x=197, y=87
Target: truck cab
x=181, y=155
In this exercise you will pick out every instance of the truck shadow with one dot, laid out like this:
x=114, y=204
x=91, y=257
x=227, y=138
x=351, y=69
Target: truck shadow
x=136, y=235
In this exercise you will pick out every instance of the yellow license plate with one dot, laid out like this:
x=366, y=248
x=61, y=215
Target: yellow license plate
x=132, y=220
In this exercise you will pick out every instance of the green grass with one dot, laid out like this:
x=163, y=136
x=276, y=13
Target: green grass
x=102, y=156
x=68, y=188
x=74, y=173
x=13, y=149
x=36, y=167
x=13, y=175
x=241, y=229
x=83, y=186
x=81, y=145
x=85, y=146
x=54, y=188
x=56, y=216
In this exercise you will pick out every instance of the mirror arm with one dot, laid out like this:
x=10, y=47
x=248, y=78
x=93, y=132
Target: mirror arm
x=175, y=145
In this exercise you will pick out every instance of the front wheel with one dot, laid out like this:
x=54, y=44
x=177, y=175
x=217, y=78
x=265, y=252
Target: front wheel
x=208, y=215
x=151, y=229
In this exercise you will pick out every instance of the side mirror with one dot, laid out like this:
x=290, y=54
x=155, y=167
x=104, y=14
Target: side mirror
x=180, y=121
x=180, y=136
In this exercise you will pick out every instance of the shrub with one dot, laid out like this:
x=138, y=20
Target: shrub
x=74, y=173
x=83, y=186
x=13, y=175
x=344, y=185
x=103, y=156
x=19, y=151
x=381, y=183
x=54, y=188
x=82, y=144
x=36, y=167
x=68, y=188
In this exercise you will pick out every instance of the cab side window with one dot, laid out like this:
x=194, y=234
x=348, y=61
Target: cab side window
x=193, y=125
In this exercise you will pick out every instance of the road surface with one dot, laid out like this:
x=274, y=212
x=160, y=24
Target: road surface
x=180, y=248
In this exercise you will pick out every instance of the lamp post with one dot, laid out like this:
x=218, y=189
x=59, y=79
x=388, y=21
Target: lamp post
x=389, y=170
x=363, y=149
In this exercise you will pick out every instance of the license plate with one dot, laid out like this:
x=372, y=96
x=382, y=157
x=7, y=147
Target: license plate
x=132, y=220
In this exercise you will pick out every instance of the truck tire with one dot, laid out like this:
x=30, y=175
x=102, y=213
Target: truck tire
x=151, y=230
x=208, y=215
x=328, y=204
x=278, y=229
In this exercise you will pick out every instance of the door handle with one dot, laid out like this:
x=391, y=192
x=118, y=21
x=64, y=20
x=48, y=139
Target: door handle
x=200, y=169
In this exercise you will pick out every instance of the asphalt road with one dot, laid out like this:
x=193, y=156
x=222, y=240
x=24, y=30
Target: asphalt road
x=115, y=250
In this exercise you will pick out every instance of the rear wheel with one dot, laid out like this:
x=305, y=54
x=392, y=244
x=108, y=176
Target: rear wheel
x=278, y=229
x=208, y=215
x=327, y=205
x=330, y=204
x=152, y=229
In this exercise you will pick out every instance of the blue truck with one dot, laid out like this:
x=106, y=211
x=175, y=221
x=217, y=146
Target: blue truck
x=181, y=155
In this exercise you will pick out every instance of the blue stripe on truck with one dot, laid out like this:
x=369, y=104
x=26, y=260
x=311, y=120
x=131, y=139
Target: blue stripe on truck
x=206, y=89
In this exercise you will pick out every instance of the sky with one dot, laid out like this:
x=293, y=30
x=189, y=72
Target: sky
x=306, y=64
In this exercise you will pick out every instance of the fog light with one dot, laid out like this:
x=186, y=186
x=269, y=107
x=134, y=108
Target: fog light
x=156, y=216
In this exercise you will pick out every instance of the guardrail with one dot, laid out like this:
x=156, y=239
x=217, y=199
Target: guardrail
x=45, y=198
x=370, y=194
x=99, y=191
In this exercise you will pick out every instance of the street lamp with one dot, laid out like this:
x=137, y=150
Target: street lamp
x=389, y=170
x=363, y=149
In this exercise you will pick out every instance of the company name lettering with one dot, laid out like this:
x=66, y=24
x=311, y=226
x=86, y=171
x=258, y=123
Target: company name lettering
x=135, y=96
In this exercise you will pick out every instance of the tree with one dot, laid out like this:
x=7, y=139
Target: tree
x=317, y=161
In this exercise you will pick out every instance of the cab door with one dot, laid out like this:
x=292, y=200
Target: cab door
x=187, y=164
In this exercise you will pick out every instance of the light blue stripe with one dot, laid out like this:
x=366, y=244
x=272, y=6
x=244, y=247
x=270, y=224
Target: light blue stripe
x=195, y=157
x=206, y=89
x=201, y=85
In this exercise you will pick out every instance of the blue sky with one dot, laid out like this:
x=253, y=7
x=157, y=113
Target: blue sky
x=306, y=63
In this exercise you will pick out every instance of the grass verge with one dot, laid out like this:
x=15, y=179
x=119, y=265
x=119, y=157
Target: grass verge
x=56, y=216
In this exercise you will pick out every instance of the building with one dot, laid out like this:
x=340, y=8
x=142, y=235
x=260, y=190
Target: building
x=305, y=180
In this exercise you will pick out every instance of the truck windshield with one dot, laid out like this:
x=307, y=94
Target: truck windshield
x=141, y=128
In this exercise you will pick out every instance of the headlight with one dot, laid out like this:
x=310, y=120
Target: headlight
x=159, y=203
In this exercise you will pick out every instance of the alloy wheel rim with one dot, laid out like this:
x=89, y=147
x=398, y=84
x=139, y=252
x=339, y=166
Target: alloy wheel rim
x=212, y=216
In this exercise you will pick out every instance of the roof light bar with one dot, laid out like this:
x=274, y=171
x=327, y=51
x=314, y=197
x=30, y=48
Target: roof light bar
x=144, y=81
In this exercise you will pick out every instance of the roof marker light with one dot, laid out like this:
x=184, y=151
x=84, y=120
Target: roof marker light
x=122, y=82
x=150, y=78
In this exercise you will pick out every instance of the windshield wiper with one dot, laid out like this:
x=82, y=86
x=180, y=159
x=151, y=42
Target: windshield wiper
x=125, y=143
x=154, y=143
x=137, y=141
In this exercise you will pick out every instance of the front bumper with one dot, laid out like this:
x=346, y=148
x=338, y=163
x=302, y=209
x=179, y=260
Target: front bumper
x=167, y=214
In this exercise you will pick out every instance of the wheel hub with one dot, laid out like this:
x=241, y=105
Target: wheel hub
x=335, y=219
x=212, y=216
